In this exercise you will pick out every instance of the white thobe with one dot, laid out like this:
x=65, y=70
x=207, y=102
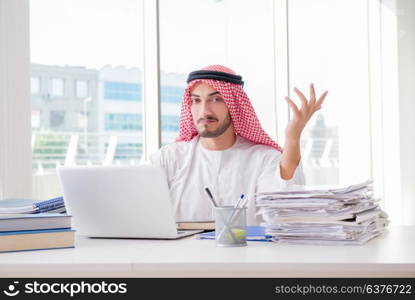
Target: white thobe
x=245, y=168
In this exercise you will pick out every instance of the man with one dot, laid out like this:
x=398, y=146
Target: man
x=222, y=146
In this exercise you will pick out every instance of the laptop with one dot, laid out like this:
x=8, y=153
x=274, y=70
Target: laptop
x=120, y=202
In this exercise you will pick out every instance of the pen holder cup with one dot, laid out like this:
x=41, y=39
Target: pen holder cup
x=230, y=226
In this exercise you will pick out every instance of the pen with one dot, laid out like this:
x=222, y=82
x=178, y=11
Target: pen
x=244, y=202
x=239, y=201
x=211, y=197
x=236, y=206
x=236, y=212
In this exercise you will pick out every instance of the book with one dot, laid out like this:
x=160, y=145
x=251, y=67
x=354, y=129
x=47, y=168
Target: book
x=15, y=222
x=28, y=206
x=196, y=225
x=253, y=233
x=37, y=239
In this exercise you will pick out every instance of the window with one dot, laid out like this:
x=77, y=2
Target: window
x=336, y=142
x=190, y=40
x=35, y=119
x=172, y=94
x=79, y=29
x=82, y=120
x=57, y=119
x=57, y=87
x=170, y=123
x=123, y=122
x=35, y=85
x=122, y=91
x=95, y=56
x=127, y=152
x=81, y=88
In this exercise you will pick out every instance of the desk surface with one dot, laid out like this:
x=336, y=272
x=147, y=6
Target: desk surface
x=390, y=255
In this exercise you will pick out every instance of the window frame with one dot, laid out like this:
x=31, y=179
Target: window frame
x=15, y=109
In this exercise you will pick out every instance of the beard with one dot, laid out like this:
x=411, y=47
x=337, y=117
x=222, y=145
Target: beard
x=217, y=132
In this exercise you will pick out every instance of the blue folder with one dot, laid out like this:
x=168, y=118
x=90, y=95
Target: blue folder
x=253, y=233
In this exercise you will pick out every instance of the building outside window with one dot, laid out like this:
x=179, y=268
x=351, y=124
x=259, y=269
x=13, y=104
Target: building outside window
x=35, y=119
x=170, y=123
x=171, y=94
x=81, y=88
x=81, y=120
x=123, y=122
x=122, y=91
x=87, y=58
x=35, y=85
x=57, y=119
x=57, y=87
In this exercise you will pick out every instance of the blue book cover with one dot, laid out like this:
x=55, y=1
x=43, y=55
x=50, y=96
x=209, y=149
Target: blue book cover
x=253, y=233
x=17, y=232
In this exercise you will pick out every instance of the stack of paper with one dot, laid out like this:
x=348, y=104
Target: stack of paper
x=322, y=214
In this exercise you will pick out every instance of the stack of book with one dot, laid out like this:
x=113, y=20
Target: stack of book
x=341, y=215
x=28, y=225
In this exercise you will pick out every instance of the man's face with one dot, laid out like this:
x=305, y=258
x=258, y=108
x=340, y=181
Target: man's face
x=209, y=111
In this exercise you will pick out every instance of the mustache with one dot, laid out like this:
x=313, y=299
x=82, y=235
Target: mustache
x=207, y=118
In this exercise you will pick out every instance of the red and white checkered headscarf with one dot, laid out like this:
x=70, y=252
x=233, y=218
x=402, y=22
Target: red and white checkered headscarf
x=244, y=119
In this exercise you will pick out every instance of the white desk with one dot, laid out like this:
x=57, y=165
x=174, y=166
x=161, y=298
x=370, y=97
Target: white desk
x=391, y=255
